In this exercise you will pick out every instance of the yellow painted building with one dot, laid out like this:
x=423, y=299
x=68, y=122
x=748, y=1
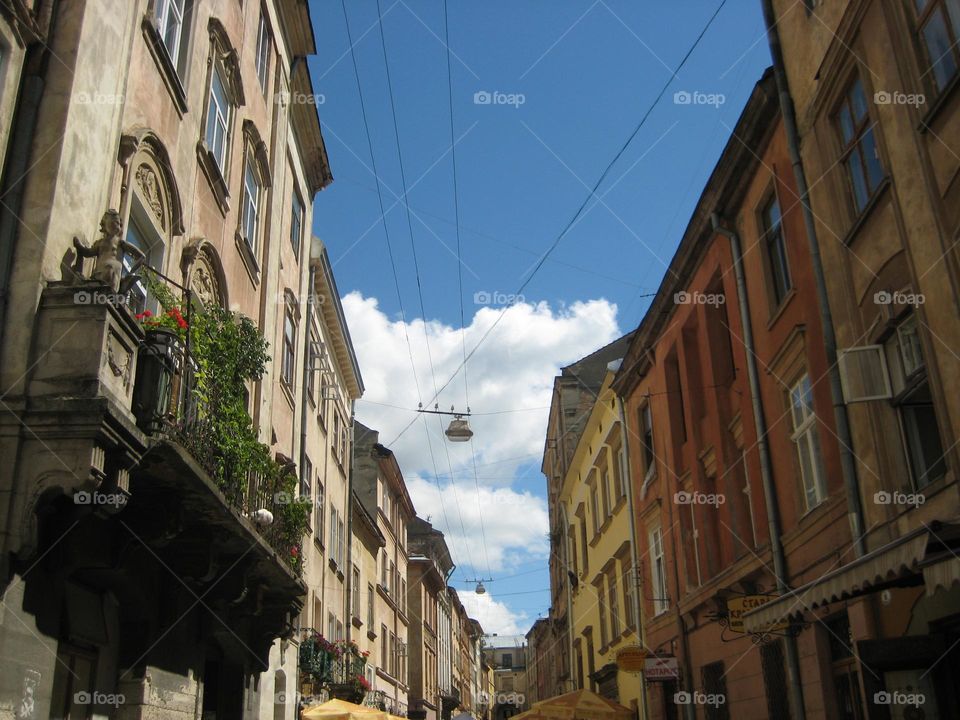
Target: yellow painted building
x=594, y=507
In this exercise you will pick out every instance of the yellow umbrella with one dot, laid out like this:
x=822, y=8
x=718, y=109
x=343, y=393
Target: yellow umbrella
x=580, y=705
x=343, y=710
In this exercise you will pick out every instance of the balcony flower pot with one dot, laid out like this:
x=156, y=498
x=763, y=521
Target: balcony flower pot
x=157, y=362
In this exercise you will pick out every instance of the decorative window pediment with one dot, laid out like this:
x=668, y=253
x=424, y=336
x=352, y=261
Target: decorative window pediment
x=222, y=51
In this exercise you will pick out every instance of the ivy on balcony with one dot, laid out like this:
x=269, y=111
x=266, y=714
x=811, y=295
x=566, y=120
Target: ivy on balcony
x=226, y=352
x=338, y=667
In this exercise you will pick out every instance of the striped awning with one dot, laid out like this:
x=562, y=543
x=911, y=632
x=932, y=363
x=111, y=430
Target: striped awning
x=919, y=553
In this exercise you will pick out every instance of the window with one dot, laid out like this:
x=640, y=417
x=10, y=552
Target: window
x=914, y=404
x=776, y=246
x=938, y=22
x=306, y=483
x=601, y=609
x=252, y=190
x=392, y=579
x=333, y=534
x=331, y=627
x=594, y=510
x=264, y=44
x=340, y=541
x=614, y=606
x=807, y=440
x=170, y=18
x=142, y=235
x=355, y=592
x=749, y=497
x=715, y=683
x=296, y=222
x=620, y=474
x=402, y=600
x=646, y=442
x=313, y=360
x=860, y=155
x=321, y=499
x=506, y=660
x=775, y=679
x=370, y=607
x=218, y=119
x=607, y=497
x=289, y=347
x=384, y=649
x=658, y=572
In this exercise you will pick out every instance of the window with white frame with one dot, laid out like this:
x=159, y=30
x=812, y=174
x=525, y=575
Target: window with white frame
x=355, y=592
x=306, y=484
x=620, y=473
x=332, y=549
x=321, y=516
x=171, y=18
x=806, y=438
x=288, y=364
x=264, y=46
x=658, y=571
x=914, y=404
x=250, y=207
x=613, y=604
x=296, y=222
x=144, y=236
x=219, y=111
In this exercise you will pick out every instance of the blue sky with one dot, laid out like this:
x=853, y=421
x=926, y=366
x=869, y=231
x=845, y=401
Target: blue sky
x=574, y=77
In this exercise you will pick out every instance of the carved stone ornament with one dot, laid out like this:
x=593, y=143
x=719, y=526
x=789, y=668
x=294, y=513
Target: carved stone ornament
x=118, y=358
x=150, y=187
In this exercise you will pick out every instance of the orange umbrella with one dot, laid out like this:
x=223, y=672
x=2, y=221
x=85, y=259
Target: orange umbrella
x=580, y=705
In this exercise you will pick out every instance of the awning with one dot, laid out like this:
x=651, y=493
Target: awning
x=921, y=552
x=579, y=705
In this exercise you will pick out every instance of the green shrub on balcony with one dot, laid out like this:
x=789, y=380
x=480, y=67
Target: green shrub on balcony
x=229, y=352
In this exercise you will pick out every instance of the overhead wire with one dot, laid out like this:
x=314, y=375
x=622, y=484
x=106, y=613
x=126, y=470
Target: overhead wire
x=463, y=324
x=590, y=195
x=416, y=265
x=383, y=217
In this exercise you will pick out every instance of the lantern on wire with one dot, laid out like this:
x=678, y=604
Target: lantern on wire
x=459, y=428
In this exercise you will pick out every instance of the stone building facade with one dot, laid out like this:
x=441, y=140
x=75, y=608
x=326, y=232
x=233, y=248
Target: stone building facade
x=177, y=134
x=382, y=491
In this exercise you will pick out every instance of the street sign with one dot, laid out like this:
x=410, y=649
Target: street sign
x=661, y=669
x=739, y=605
x=631, y=659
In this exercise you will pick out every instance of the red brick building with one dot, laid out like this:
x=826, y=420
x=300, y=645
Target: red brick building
x=728, y=514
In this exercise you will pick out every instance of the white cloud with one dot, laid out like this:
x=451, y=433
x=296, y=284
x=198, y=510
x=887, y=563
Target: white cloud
x=514, y=523
x=494, y=616
x=513, y=369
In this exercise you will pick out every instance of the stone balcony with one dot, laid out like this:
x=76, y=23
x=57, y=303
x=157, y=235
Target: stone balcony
x=145, y=508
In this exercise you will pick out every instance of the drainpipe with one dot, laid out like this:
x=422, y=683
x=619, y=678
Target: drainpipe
x=633, y=547
x=348, y=621
x=792, y=656
x=848, y=464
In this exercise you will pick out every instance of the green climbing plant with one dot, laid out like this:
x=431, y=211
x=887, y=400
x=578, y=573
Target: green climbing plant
x=228, y=352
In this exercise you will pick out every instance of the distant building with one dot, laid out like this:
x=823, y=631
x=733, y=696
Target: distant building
x=507, y=657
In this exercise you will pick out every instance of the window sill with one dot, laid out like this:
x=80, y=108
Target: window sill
x=317, y=541
x=371, y=635
x=356, y=622
x=619, y=505
x=778, y=311
x=866, y=212
x=214, y=176
x=249, y=261
x=164, y=63
x=287, y=392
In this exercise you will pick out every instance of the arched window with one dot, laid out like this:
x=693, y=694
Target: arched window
x=279, y=695
x=151, y=206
